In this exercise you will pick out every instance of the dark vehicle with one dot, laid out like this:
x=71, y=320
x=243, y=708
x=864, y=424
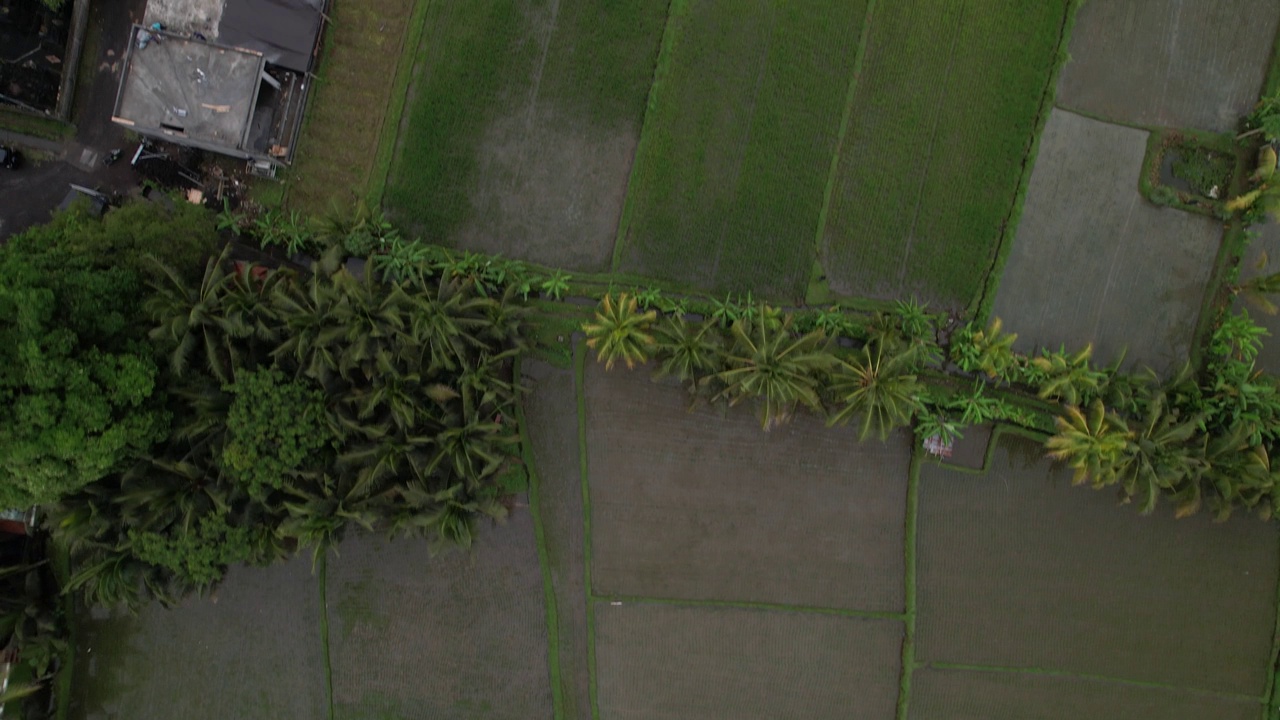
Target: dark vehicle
x=10, y=158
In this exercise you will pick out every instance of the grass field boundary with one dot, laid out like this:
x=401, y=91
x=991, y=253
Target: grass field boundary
x=747, y=605
x=322, y=572
x=1272, y=693
x=580, y=391
x=1049, y=673
x=64, y=680
x=1271, y=81
x=834, y=170
x=410, y=43
x=662, y=68
x=544, y=560
x=909, y=584
x=981, y=305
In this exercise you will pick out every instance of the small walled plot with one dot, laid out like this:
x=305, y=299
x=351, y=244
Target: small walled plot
x=720, y=663
x=693, y=505
x=551, y=421
x=968, y=695
x=1172, y=63
x=1095, y=263
x=1268, y=241
x=458, y=636
x=1017, y=568
x=252, y=649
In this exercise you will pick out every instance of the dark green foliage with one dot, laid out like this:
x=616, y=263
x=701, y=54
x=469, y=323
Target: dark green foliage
x=1204, y=169
x=274, y=426
x=197, y=553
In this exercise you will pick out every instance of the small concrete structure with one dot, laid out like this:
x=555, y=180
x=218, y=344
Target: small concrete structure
x=190, y=92
x=227, y=76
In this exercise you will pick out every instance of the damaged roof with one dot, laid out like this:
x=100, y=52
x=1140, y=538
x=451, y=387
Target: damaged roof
x=284, y=31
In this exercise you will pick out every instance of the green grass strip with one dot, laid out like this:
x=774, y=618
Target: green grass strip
x=409, y=45
x=1273, y=675
x=1043, y=672
x=834, y=170
x=580, y=391
x=322, y=574
x=748, y=605
x=980, y=307
x=544, y=559
x=63, y=682
x=909, y=584
x=662, y=68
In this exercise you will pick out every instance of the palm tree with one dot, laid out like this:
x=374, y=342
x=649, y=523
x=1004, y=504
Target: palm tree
x=768, y=363
x=1069, y=378
x=686, y=350
x=882, y=390
x=1092, y=444
x=621, y=331
x=310, y=332
x=1160, y=456
x=990, y=350
x=195, y=317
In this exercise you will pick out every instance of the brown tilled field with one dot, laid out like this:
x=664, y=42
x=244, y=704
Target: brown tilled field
x=693, y=505
x=253, y=649
x=1094, y=262
x=458, y=636
x=965, y=695
x=1170, y=63
x=1017, y=568
x=712, y=663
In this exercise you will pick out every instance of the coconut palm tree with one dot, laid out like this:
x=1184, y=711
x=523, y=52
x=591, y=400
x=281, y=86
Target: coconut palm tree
x=989, y=351
x=1161, y=456
x=877, y=386
x=621, y=332
x=1093, y=443
x=194, y=319
x=685, y=350
x=770, y=364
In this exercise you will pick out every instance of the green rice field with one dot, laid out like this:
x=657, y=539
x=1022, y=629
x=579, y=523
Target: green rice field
x=945, y=113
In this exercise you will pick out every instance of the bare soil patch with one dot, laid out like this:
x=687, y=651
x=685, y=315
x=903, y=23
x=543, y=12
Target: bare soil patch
x=1017, y=568
x=251, y=650
x=549, y=189
x=459, y=635
x=693, y=505
x=706, y=663
x=1093, y=262
x=1172, y=63
x=968, y=695
x=551, y=419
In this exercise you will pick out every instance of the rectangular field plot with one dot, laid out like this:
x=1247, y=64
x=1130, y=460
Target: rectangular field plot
x=722, y=663
x=1017, y=568
x=522, y=124
x=551, y=420
x=1093, y=262
x=1172, y=63
x=743, y=121
x=696, y=506
x=947, y=104
x=253, y=649
x=969, y=695
x=458, y=636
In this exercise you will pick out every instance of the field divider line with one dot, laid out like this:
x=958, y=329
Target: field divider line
x=410, y=45
x=1272, y=694
x=544, y=560
x=1066, y=675
x=534, y=92
x=661, y=66
x=748, y=605
x=322, y=575
x=909, y=583
x=850, y=94
x=980, y=306
x=933, y=141
x=580, y=392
